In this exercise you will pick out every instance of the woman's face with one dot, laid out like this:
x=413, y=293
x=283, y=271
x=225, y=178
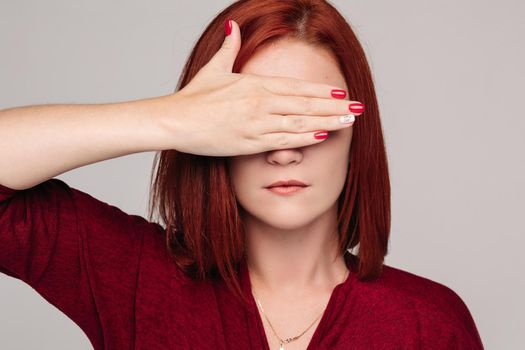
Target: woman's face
x=323, y=166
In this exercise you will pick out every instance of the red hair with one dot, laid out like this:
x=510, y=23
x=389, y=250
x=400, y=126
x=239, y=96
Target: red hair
x=194, y=195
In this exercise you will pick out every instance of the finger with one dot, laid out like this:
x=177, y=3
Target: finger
x=275, y=123
x=223, y=59
x=299, y=87
x=286, y=105
x=281, y=140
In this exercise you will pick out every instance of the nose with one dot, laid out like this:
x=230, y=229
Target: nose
x=284, y=156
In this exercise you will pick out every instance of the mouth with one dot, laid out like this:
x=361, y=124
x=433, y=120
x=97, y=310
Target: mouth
x=285, y=190
x=288, y=183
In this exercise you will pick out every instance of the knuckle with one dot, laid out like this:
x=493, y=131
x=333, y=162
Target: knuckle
x=285, y=123
x=265, y=85
x=249, y=134
x=263, y=103
x=253, y=83
x=251, y=105
x=293, y=84
x=299, y=123
x=282, y=140
x=253, y=126
x=308, y=105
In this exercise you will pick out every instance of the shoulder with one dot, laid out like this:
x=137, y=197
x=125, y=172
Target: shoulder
x=413, y=297
x=418, y=287
x=406, y=310
x=433, y=308
x=399, y=286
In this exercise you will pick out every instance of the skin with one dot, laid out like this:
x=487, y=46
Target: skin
x=292, y=240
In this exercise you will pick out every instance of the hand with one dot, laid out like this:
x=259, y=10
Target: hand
x=220, y=113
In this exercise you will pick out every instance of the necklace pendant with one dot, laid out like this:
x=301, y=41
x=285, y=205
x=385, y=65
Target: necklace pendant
x=281, y=347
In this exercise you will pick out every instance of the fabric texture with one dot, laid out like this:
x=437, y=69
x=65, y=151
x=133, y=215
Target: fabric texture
x=111, y=274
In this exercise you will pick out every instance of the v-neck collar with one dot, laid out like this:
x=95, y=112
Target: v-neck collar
x=339, y=291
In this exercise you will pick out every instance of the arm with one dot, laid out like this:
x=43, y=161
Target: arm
x=76, y=251
x=40, y=142
x=79, y=253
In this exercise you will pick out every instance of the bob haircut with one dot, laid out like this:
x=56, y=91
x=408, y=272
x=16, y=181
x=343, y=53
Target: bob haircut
x=204, y=233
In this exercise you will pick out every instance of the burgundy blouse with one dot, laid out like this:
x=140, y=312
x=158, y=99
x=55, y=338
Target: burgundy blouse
x=111, y=274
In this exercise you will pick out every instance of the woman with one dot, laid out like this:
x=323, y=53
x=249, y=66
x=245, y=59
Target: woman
x=237, y=262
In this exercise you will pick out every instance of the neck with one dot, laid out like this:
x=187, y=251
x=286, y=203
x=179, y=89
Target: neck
x=287, y=261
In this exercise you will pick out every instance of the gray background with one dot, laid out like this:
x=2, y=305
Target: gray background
x=449, y=77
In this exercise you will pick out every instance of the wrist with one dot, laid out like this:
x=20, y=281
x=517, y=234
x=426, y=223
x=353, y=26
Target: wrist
x=149, y=121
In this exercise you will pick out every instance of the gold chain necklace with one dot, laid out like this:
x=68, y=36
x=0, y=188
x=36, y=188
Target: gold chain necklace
x=288, y=340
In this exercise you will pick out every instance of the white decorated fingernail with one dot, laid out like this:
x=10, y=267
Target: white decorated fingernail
x=346, y=119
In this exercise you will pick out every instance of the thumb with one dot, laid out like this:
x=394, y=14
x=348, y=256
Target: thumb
x=225, y=57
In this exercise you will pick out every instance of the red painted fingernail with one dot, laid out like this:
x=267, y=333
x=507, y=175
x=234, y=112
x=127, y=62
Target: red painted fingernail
x=320, y=135
x=356, y=107
x=337, y=93
x=228, y=27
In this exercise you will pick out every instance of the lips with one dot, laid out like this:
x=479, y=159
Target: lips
x=286, y=183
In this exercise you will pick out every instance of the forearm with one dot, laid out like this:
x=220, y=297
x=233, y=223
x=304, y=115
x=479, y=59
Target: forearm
x=39, y=142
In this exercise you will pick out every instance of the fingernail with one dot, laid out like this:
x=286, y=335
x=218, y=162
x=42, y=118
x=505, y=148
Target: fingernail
x=347, y=119
x=337, y=93
x=228, y=27
x=321, y=135
x=357, y=107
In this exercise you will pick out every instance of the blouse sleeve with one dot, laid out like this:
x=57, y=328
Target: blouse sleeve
x=465, y=335
x=448, y=324
x=77, y=252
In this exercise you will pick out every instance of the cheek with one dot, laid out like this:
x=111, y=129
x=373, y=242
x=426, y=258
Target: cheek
x=332, y=155
x=337, y=143
x=343, y=135
x=245, y=173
